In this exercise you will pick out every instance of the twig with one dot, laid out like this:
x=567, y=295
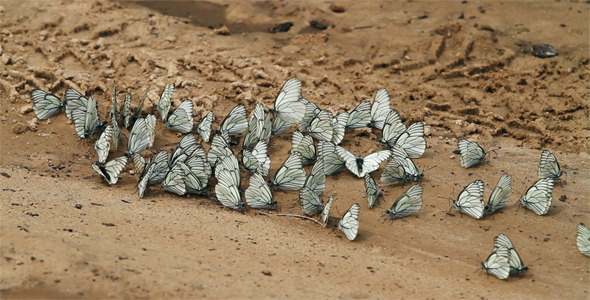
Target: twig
x=295, y=216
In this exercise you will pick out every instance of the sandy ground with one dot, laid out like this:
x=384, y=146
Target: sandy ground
x=465, y=69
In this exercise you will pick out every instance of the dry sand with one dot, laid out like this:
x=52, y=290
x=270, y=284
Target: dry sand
x=465, y=69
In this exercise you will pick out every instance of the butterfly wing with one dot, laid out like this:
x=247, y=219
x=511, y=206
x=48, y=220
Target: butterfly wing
x=372, y=189
x=583, y=239
x=111, y=170
x=236, y=121
x=325, y=216
x=471, y=153
x=350, y=161
x=360, y=116
x=311, y=110
x=497, y=263
x=548, y=166
x=407, y=204
x=332, y=161
x=412, y=140
x=500, y=195
x=321, y=126
x=165, y=101
x=339, y=127
x=287, y=105
x=470, y=200
x=258, y=194
x=393, y=127
x=349, y=224
x=103, y=144
x=538, y=197
x=74, y=100
x=139, y=138
x=181, y=119
x=174, y=180
x=45, y=104
x=204, y=127
x=316, y=181
x=372, y=161
x=291, y=175
x=304, y=146
x=380, y=109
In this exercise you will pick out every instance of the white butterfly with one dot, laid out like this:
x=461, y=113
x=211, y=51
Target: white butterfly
x=400, y=167
x=227, y=192
x=321, y=126
x=204, y=127
x=258, y=194
x=111, y=170
x=185, y=149
x=279, y=125
x=583, y=239
x=235, y=122
x=471, y=153
x=332, y=161
x=159, y=166
x=139, y=138
x=498, y=263
x=500, y=195
x=516, y=264
x=219, y=149
x=326, y=212
x=126, y=111
x=407, y=204
x=165, y=101
x=360, y=166
x=257, y=160
x=181, y=119
x=380, y=108
x=113, y=111
x=349, y=224
x=197, y=174
x=116, y=132
x=304, y=146
x=45, y=104
x=291, y=175
x=74, y=100
x=310, y=201
x=360, y=116
x=412, y=140
x=150, y=123
x=316, y=181
x=174, y=180
x=86, y=120
x=372, y=190
x=538, y=197
x=311, y=110
x=339, y=127
x=287, y=105
x=253, y=134
x=230, y=165
x=393, y=127
x=548, y=166
x=103, y=144
x=470, y=200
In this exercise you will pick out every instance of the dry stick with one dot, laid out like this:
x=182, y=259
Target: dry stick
x=291, y=215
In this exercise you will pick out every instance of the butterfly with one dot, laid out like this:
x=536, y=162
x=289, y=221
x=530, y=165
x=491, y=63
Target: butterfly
x=360, y=166
x=235, y=122
x=197, y=173
x=393, y=127
x=204, y=127
x=219, y=149
x=139, y=138
x=516, y=264
x=339, y=127
x=311, y=110
x=150, y=123
x=103, y=144
x=372, y=190
x=326, y=212
x=471, y=153
x=86, y=120
x=287, y=105
x=45, y=104
x=165, y=101
x=74, y=100
x=116, y=138
x=126, y=111
x=316, y=181
x=380, y=109
x=500, y=195
x=291, y=175
x=349, y=224
x=360, y=116
x=253, y=134
x=538, y=197
x=227, y=189
x=111, y=170
x=548, y=166
x=498, y=263
x=583, y=239
x=279, y=125
x=181, y=119
x=304, y=146
x=257, y=160
x=407, y=204
x=412, y=140
x=400, y=167
x=187, y=147
x=332, y=161
x=258, y=194
x=310, y=201
x=113, y=111
x=174, y=180
x=230, y=164
x=321, y=126
x=470, y=200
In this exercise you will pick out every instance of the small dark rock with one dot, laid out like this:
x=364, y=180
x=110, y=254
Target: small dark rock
x=78, y=206
x=68, y=229
x=318, y=25
x=108, y=224
x=283, y=27
x=482, y=9
x=543, y=50
x=32, y=214
x=267, y=273
x=5, y=174
x=337, y=8
x=562, y=198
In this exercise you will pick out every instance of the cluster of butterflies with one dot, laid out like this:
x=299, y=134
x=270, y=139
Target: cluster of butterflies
x=190, y=167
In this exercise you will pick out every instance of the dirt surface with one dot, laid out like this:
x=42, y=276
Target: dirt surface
x=465, y=69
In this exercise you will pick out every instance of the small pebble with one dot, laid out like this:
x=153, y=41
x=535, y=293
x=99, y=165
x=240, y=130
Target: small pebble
x=267, y=273
x=283, y=27
x=544, y=50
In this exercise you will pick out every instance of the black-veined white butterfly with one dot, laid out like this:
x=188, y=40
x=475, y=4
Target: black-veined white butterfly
x=258, y=194
x=516, y=264
x=548, y=166
x=230, y=164
x=360, y=116
x=150, y=123
x=236, y=121
x=111, y=170
x=287, y=105
x=219, y=149
x=500, y=195
x=332, y=161
x=165, y=101
x=498, y=264
x=86, y=121
x=74, y=100
x=186, y=148
x=372, y=190
x=412, y=140
x=349, y=224
x=279, y=125
x=116, y=132
x=291, y=175
x=204, y=127
x=139, y=138
x=470, y=200
x=583, y=239
x=253, y=134
x=181, y=119
x=227, y=192
x=407, y=204
x=471, y=153
x=380, y=108
x=360, y=166
x=303, y=144
x=103, y=144
x=339, y=127
x=400, y=167
x=174, y=180
x=393, y=127
x=310, y=201
x=197, y=172
x=311, y=110
x=113, y=111
x=45, y=104
x=257, y=160
x=160, y=167
x=321, y=126
x=126, y=111
x=538, y=197
x=316, y=181
x=325, y=216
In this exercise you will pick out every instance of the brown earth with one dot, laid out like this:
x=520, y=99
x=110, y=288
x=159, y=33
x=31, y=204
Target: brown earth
x=465, y=69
